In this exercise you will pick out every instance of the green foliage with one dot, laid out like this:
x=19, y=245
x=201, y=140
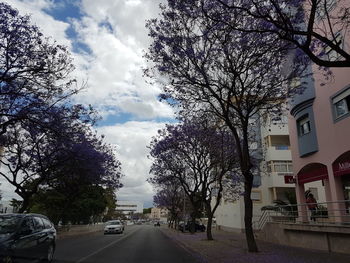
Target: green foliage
x=147, y=210
x=16, y=204
x=86, y=206
x=111, y=200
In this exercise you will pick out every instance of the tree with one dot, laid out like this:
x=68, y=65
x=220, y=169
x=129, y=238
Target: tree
x=111, y=200
x=34, y=71
x=87, y=206
x=207, y=67
x=316, y=27
x=198, y=157
x=70, y=157
x=171, y=196
x=147, y=210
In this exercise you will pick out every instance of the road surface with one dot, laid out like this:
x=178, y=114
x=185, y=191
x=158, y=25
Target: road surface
x=139, y=243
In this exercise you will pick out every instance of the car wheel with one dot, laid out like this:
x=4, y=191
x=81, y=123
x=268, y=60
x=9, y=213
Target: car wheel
x=50, y=252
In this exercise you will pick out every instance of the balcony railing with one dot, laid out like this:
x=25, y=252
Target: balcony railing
x=325, y=213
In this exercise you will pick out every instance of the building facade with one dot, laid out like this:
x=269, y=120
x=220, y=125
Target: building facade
x=159, y=214
x=277, y=181
x=319, y=125
x=129, y=208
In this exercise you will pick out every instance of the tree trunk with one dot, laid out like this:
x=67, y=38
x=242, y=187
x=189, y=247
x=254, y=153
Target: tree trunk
x=248, y=214
x=193, y=224
x=209, y=225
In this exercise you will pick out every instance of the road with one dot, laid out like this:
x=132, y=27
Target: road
x=139, y=243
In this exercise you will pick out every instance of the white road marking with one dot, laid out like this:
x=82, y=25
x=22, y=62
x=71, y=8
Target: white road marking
x=109, y=245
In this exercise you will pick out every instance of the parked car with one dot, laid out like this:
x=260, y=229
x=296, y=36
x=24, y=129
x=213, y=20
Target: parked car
x=186, y=227
x=156, y=223
x=114, y=226
x=26, y=237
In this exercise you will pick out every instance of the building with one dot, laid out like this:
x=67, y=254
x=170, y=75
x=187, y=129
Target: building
x=129, y=207
x=277, y=181
x=159, y=214
x=320, y=127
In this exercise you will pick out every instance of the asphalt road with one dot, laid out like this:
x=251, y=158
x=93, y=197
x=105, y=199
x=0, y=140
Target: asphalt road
x=144, y=243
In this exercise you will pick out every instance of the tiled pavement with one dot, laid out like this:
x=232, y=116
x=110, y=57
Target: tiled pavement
x=231, y=248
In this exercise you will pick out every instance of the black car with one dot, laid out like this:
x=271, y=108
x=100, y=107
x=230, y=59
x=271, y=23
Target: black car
x=26, y=237
x=186, y=227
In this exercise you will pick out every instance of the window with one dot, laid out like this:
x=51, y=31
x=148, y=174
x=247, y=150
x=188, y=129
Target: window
x=304, y=125
x=255, y=196
x=38, y=223
x=47, y=223
x=341, y=104
x=329, y=53
x=281, y=167
x=27, y=225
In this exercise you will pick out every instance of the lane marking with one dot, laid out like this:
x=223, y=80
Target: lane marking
x=109, y=245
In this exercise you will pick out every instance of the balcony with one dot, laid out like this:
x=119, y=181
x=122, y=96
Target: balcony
x=278, y=179
x=279, y=152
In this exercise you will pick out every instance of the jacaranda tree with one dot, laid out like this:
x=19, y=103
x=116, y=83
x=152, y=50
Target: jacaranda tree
x=34, y=71
x=199, y=157
x=36, y=156
x=207, y=67
x=170, y=196
x=315, y=27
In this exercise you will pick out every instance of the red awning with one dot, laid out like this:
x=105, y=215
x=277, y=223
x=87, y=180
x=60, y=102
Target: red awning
x=313, y=173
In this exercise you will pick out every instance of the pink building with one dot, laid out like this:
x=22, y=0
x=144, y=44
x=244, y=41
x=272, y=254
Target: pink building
x=319, y=128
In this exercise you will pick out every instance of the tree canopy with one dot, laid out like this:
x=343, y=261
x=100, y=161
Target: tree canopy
x=317, y=28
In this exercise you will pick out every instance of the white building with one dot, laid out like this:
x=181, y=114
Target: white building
x=277, y=179
x=129, y=207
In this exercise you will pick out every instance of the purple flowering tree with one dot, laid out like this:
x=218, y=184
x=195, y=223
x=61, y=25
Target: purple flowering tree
x=199, y=157
x=207, y=68
x=170, y=196
x=34, y=71
x=40, y=156
x=316, y=27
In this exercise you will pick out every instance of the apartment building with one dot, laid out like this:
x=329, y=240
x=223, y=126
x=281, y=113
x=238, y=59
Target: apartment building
x=277, y=181
x=319, y=124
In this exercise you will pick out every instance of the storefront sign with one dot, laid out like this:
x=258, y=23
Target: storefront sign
x=344, y=166
x=341, y=168
x=289, y=179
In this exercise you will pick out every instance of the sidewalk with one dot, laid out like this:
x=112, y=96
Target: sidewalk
x=231, y=248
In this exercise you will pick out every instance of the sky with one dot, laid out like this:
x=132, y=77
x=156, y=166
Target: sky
x=107, y=39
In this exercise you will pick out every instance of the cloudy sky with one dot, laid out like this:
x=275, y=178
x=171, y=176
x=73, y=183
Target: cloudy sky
x=107, y=39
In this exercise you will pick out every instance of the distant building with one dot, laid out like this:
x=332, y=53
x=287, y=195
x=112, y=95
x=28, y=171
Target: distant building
x=160, y=214
x=129, y=207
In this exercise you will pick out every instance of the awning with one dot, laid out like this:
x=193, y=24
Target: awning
x=341, y=165
x=311, y=173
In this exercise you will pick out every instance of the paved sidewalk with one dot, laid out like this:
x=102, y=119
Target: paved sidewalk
x=231, y=248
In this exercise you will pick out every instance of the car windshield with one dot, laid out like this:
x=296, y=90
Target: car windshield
x=8, y=224
x=113, y=223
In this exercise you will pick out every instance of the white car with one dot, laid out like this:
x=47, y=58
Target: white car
x=114, y=226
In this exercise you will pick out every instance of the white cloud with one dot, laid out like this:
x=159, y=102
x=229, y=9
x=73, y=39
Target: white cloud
x=132, y=139
x=49, y=26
